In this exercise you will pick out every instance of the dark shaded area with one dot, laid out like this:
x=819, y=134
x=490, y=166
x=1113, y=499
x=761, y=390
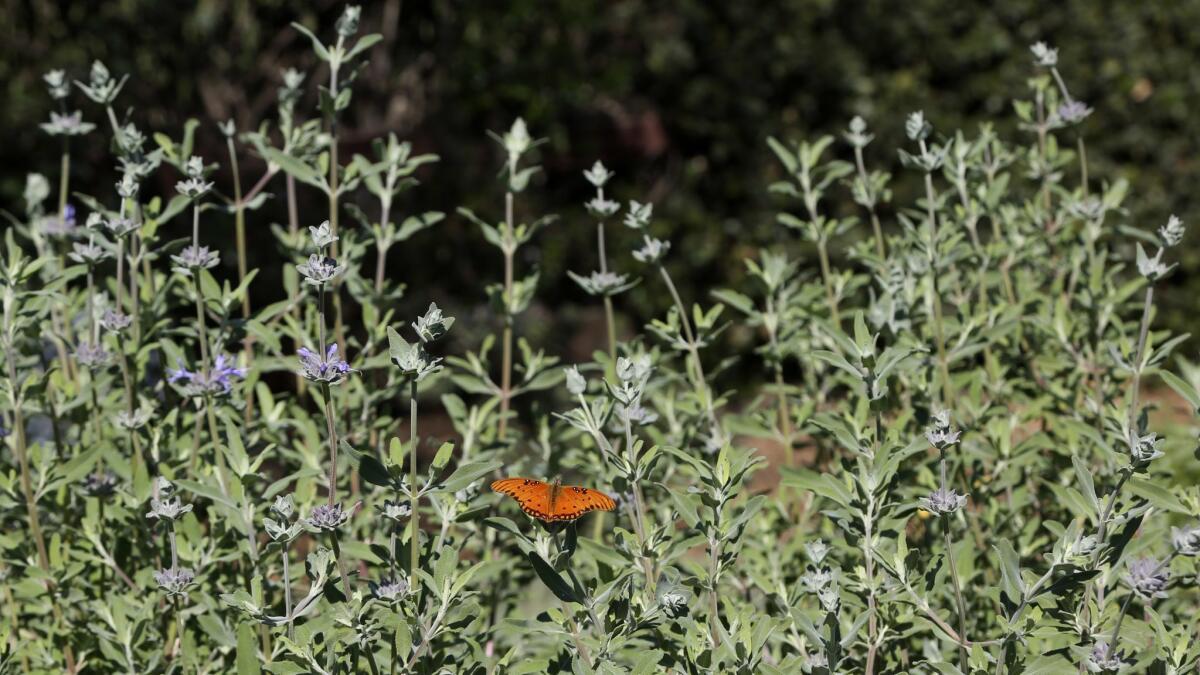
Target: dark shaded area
x=676, y=97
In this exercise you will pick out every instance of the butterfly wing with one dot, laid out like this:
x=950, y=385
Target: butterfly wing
x=532, y=495
x=574, y=501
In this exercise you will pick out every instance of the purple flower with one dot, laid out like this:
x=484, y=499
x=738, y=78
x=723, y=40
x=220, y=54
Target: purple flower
x=327, y=517
x=216, y=380
x=180, y=373
x=1148, y=578
x=223, y=370
x=114, y=321
x=330, y=369
x=92, y=355
x=194, y=258
x=389, y=590
x=1072, y=112
x=174, y=581
x=1104, y=659
x=59, y=225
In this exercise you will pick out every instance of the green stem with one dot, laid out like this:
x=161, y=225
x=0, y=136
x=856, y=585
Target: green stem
x=35, y=526
x=608, y=304
x=506, y=346
x=699, y=381
x=337, y=553
x=958, y=597
x=22, y=452
x=1143, y=330
x=331, y=432
x=935, y=293
x=1112, y=643
x=714, y=602
x=64, y=178
x=639, y=509
x=414, y=540
x=827, y=276
x=287, y=591
x=875, y=226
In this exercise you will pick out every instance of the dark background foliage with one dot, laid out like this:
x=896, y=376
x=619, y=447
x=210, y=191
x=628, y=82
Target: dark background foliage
x=676, y=97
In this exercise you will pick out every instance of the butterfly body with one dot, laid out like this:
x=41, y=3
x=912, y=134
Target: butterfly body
x=552, y=502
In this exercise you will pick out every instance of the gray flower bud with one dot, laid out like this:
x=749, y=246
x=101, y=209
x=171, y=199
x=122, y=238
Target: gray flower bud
x=576, y=384
x=943, y=502
x=175, y=581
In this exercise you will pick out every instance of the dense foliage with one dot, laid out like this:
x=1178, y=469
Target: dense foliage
x=971, y=479
x=643, y=85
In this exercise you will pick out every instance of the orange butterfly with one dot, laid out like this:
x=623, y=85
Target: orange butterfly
x=552, y=501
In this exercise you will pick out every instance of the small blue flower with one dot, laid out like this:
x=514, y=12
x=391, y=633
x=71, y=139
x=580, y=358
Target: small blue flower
x=180, y=374
x=224, y=371
x=330, y=368
x=217, y=380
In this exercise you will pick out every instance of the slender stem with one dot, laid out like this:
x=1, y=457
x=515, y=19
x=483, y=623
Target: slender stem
x=331, y=123
x=935, y=294
x=1112, y=643
x=239, y=217
x=337, y=553
x=699, y=381
x=395, y=650
x=178, y=651
x=1136, y=385
x=506, y=346
x=958, y=597
x=414, y=541
x=714, y=602
x=827, y=276
x=577, y=638
x=131, y=407
x=1103, y=534
x=93, y=328
x=118, y=135
x=639, y=504
x=781, y=399
x=1083, y=168
x=941, y=623
x=239, y=214
x=433, y=628
x=287, y=590
x=608, y=304
x=331, y=432
x=293, y=229
x=204, y=360
x=258, y=186
x=22, y=451
x=64, y=177
x=875, y=226
x=868, y=545
x=380, y=267
x=210, y=413
x=135, y=309
x=785, y=416
x=334, y=193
